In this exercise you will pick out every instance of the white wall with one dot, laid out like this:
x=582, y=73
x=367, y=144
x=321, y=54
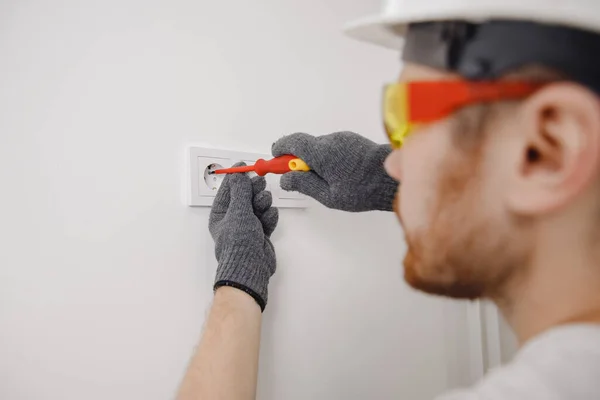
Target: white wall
x=105, y=275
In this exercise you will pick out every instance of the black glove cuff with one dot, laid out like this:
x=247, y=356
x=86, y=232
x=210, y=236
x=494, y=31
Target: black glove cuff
x=245, y=289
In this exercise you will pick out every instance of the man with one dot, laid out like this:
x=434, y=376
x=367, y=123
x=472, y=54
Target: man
x=497, y=116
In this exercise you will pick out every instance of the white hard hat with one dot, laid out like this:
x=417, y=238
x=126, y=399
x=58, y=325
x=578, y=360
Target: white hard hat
x=387, y=29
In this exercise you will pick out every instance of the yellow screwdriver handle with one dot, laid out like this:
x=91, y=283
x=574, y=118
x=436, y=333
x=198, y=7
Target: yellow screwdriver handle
x=298, y=165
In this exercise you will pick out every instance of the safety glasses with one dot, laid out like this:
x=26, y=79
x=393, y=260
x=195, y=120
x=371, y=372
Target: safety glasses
x=409, y=105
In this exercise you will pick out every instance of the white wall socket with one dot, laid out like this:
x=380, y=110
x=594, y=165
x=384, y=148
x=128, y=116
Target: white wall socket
x=203, y=187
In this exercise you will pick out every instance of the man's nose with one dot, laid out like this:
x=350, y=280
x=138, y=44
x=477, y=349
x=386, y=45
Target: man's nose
x=393, y=165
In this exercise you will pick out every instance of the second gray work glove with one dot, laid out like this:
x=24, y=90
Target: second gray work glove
x=346, y=171
x=241, y=223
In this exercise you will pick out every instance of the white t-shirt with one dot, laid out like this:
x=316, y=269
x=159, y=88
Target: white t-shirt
x=560, y=364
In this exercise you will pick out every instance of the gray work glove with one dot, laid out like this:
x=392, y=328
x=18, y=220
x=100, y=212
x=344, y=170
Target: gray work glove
x=346, y=171
x=241, y=223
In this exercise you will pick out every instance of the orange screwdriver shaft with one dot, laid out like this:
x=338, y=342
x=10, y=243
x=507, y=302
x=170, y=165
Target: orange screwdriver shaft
x=234, y=170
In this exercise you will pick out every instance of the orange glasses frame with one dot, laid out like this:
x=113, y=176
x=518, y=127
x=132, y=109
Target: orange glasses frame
x=410, y=104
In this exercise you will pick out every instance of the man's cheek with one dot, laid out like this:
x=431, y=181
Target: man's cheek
x=421, y=164
x=412, y=207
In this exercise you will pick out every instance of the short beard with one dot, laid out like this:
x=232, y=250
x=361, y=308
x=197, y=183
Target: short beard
x=476, y=264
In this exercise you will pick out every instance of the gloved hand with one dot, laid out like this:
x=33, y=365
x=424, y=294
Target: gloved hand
x=346, y=171
x=241, y=223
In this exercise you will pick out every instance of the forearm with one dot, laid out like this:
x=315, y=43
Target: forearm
x=225, y=366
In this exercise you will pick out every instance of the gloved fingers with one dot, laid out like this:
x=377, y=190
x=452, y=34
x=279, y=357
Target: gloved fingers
x=262, y=202
x=308, y=183
x=259, y=183
x=269, y=220
x=240, y=199
x=239, y=187
x=301, y=145
x=221, y=201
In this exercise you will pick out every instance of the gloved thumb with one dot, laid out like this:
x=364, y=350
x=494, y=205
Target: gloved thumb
x=308, y=183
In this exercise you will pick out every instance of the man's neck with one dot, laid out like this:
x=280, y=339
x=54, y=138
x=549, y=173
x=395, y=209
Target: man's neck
x=560, y=286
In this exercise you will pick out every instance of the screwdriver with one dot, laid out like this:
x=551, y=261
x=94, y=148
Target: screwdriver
x=278, y=165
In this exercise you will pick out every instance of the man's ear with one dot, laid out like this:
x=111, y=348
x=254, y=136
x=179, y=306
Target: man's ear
x=561, y=148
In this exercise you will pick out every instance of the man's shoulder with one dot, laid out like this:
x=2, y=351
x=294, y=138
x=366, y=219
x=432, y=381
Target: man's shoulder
x=563, y=363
